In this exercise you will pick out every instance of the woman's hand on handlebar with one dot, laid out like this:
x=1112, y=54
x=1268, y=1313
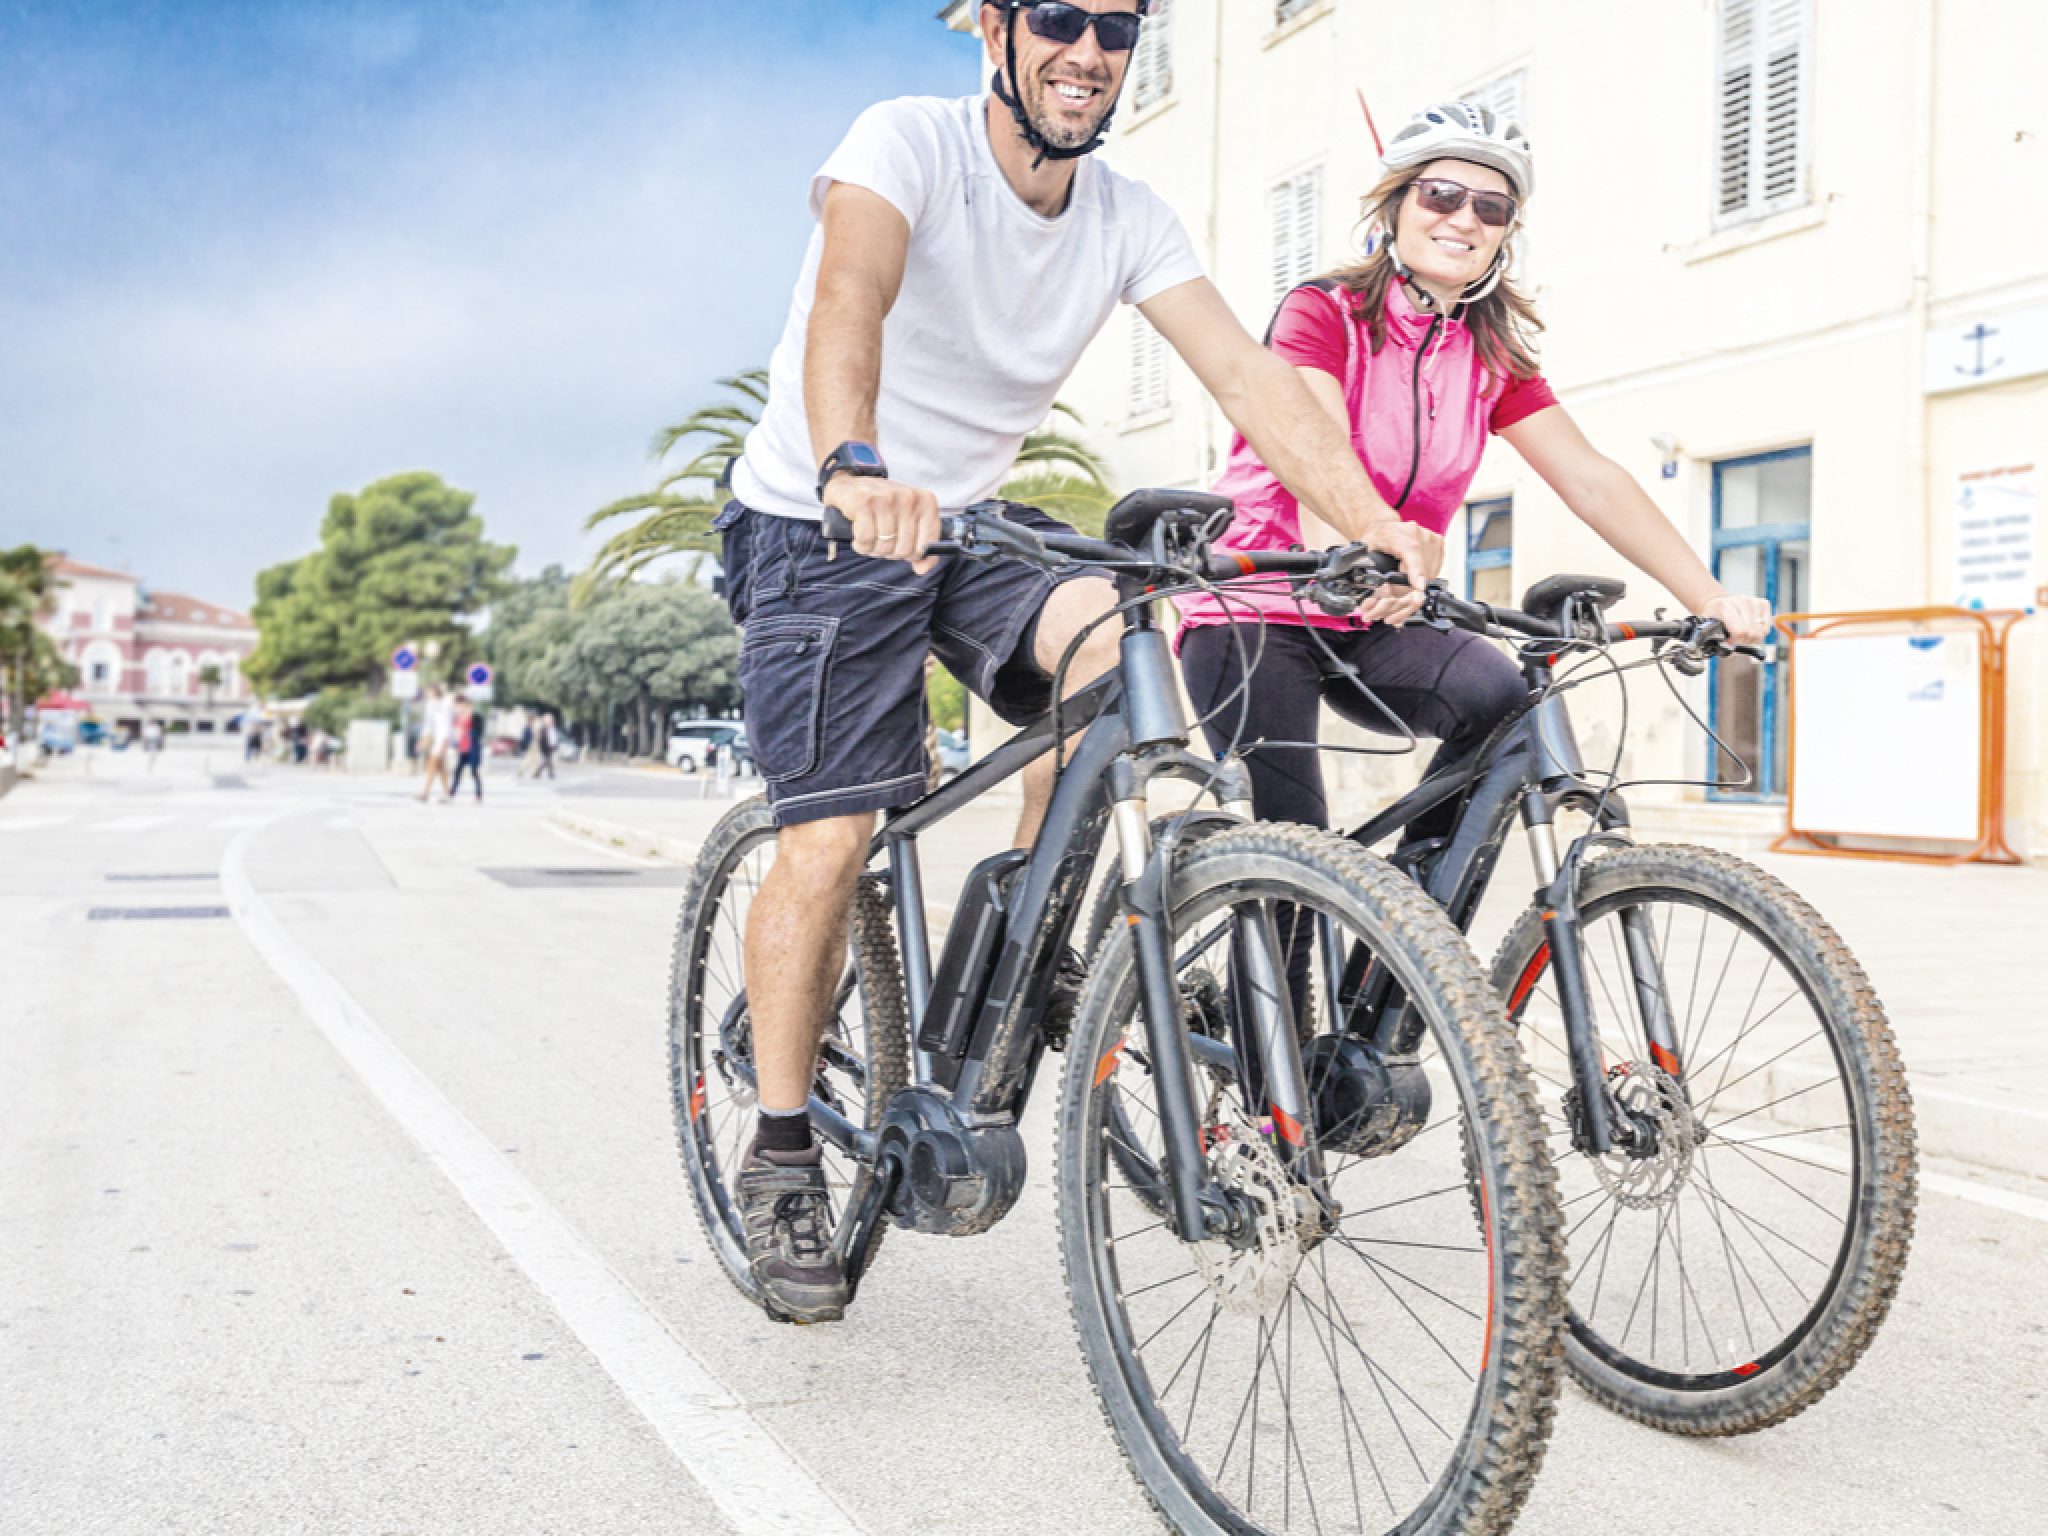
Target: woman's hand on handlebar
x=1421, y=554
x=1747, y=619
x=891, y=521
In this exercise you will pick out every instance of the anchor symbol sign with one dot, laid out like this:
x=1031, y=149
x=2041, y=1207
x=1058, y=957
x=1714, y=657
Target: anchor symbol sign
x=1980, y=335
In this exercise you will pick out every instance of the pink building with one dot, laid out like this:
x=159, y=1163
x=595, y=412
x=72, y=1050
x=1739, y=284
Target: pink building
x=140, y=654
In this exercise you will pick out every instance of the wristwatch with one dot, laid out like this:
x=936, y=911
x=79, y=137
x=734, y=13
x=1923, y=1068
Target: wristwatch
x=852, y=458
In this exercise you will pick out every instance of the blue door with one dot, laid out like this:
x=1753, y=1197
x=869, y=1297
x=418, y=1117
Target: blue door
x=1763, y=509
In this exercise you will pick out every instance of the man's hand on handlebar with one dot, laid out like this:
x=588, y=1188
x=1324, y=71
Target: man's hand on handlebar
x=1421, y=554
x=1747, y=619
x=891, y=521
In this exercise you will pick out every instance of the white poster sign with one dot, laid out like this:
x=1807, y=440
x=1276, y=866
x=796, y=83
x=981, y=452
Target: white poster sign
x=1887, y=735
x=1998, y=537
x=405, y=685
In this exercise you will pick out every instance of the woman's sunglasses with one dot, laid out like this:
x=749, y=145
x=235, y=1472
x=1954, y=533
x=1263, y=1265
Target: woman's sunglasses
x=1494, y=209
x=1115, y=31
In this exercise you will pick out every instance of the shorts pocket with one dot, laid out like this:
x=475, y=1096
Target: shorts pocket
x=785, y=663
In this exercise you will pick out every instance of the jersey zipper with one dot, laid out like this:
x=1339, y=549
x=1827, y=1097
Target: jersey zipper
x=1415, y=426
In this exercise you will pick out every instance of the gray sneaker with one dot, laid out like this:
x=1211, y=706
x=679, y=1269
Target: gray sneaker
x=786, y=1212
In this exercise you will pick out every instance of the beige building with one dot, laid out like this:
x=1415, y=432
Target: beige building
x=1793, y=260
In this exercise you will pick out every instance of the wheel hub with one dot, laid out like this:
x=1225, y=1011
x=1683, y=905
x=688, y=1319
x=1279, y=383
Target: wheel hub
x=1655, y=1168
x=1249, y=1273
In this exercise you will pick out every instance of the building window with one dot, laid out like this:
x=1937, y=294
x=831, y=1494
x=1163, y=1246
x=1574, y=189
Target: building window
x=1766, y=49
x=1490, y=551
x=1152, y=64
x=1148, y=368
x=181, y=674
x=1763, y=508
x=1294, y=209
x=155, y=678
x=1506, y=94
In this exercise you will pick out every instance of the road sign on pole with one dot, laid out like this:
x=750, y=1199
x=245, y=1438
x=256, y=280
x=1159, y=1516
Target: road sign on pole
x=479, y=677
x=404, y=659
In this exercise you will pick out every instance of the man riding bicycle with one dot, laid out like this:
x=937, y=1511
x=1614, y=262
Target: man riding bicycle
x=966, y=253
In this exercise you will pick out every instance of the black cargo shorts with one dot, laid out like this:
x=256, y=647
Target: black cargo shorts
x=832, y=656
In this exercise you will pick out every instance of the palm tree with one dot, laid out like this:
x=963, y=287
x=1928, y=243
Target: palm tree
x=210, y=679
x=675, y=517
x=1054, y=470
x=30, y=663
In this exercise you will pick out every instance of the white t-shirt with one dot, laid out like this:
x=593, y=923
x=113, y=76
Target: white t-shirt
x=996, y=307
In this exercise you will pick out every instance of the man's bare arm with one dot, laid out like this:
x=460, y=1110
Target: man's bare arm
x=1297, y=437
x=860, y=270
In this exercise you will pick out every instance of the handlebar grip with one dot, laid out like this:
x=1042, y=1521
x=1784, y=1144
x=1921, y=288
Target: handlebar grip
x=1754, y=652
x=838, y=526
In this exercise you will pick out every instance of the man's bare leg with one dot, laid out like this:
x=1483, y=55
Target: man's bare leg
x=1069, y=607
x=796, y=950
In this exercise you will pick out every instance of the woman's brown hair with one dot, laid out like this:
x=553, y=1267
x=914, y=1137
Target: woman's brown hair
x=1502, y=322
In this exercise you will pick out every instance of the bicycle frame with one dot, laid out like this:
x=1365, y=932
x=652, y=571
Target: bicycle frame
x=1534, y=770
x=1135, y=732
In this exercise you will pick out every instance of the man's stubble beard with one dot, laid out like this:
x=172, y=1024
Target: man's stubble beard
x=1037, y=109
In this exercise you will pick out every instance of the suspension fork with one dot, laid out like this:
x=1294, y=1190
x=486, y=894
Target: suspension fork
x=1191, y=1194
x=1557, y=890
x=1265, y=1014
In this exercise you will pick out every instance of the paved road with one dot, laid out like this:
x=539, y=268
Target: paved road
x=356, y=1209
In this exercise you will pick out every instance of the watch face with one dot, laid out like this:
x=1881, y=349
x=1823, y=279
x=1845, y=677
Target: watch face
x=861, y=455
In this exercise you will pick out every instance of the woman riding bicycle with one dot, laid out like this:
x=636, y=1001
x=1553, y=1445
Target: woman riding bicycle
x=1420, y=350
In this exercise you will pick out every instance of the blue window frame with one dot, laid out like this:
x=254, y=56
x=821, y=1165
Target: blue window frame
x=1490, y=551
x=1762, y=546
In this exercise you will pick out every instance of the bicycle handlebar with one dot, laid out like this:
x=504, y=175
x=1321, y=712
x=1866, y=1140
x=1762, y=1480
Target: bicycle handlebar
x=1339, y=580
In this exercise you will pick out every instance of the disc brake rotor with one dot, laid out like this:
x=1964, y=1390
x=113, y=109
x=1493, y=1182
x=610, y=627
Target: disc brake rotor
x=1252, y=1278
x=1642, y=1181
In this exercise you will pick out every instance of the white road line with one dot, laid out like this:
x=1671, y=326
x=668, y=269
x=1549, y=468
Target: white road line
x=30, y=823
x=133, y=823
x=238, y=823
x=591, y=845
x=737, y=1460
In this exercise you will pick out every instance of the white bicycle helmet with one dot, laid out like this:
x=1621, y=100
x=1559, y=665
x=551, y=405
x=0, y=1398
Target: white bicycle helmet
x=1465, y=130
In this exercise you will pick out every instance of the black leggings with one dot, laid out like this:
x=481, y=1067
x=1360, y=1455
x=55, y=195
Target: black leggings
x=476, y=775
x=1450, y=685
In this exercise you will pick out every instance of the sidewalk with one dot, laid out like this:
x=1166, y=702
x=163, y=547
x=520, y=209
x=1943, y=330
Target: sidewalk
x=1958, y=955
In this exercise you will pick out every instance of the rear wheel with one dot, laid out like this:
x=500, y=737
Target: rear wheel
x=1729, y=1271
x=863, y=1060
x=1379, y=1361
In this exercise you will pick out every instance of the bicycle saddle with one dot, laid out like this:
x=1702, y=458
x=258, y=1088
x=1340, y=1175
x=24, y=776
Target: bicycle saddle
x=1130, y=521
x=1547, y=597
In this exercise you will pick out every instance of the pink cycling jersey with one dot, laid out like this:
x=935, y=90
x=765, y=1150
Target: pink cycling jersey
x=1459, y=404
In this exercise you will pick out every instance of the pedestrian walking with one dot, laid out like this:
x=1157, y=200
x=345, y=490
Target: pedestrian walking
x=469, y=749
x=544, y=738
x=436, y=733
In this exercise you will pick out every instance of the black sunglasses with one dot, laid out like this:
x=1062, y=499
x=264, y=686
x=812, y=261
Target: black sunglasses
x=1494, y=209
x=1115, y=31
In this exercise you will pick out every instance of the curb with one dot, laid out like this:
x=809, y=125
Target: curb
x=627, y=838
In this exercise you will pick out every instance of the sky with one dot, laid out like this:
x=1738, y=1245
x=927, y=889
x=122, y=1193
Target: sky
x=257, y=252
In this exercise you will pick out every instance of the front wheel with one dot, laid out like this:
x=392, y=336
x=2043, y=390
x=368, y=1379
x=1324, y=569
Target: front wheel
x=1376, y=1355
x=1730, y=1267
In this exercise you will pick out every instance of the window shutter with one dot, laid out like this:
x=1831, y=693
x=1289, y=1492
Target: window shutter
x=1761, y=148
x=1152, y=66
x=1148, y=367
x=1505, y=94
x=1295, y=210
